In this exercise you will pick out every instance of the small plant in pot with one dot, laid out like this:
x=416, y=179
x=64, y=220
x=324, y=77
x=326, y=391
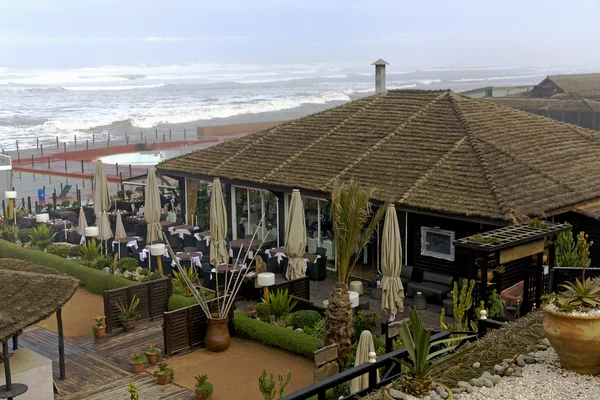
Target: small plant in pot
x=128, y=313
x=138, y=361
x=152, y=352
x=164, y=373
x=99, y=327
x=203, y=388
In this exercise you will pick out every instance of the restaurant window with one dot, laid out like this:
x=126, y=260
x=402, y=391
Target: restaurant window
x=437, y=243
x=248, y=206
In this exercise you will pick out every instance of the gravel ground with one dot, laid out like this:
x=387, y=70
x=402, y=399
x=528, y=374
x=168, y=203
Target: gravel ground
x=544, y=380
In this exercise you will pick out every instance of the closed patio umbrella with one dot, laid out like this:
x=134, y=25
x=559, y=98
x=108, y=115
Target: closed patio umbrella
x=104, y=231
x=82, y=224
x=295, y=238
x=392, y=298
x=365, y=346
x=218, y=226
x=101, y=196
x=119, y=234
x=152, y=209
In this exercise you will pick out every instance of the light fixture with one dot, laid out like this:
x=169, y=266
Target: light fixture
x=42, y=218
x=91, y=231
x=266, y=279
x=353, y=298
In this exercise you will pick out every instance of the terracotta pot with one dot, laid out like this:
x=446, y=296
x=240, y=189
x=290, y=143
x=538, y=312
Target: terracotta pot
x=217, y=335
x=128, y=324
x=576, y=340
x=100, y=332
x=152, y=358
x=490, y=275
x=138, y=368
x=199, y=395
x=164, y=379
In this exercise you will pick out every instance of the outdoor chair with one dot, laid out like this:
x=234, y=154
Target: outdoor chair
x=175, y=241
x=189, y=249
x=433, y=285
x=322, y=251
x=316, y=271
x=406, y=274
x=201, y=246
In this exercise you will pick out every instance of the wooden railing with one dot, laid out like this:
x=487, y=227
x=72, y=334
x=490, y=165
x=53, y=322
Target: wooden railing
x=153, y=295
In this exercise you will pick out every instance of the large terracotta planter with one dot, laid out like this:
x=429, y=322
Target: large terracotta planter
x=137, y=368
x=576, y=340
x=490, y=275
x=217, y=335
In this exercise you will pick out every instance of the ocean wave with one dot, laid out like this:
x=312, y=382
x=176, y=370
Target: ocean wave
x=104, y=88
x=218, y=111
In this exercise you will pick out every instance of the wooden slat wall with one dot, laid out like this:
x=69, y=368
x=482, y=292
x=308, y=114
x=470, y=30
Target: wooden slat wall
x=153, y=295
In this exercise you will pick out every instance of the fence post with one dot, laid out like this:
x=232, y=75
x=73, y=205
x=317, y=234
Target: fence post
x=121, y=180
x=18, y=154
x=163, y=140
x=82, y=166
x=184, y=134
x=75, y=138
x=87, y=144
x=117, y=168
x=65, y=165
x=170, y=137
x=42, y=149
x=32, y=162
x=29, y=204
x=126, y=138
x=48, y=162
x=156, y=133
x=37, y=143
x=93, y=138
x=130, y=174
x=141, y=135
x=54, y=198
x=65, y=146
x=57, y=145
x=108, y=140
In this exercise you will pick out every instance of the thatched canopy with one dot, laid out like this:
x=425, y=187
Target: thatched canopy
x=437, y=151
x=566, y=87
x=30, y=293
x=550, y=104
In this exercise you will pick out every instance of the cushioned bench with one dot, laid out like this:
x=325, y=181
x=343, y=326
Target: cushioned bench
x=406, y=275
x=433, y=285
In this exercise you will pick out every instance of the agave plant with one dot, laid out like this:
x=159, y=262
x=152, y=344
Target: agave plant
x=128, y=311
x=42, y=236
x=180, y=279
x=577, y=295
x=280, y=304
x=90, y=251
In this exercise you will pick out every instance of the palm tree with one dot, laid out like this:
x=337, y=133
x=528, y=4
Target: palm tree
x=353, y=223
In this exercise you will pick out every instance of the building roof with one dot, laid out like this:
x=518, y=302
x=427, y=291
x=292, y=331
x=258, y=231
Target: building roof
x=30, y=294
x=430, y=150
x=551, y=104
x=577, y=86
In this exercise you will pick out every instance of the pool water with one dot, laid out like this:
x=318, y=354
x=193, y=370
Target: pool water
x=141, y=158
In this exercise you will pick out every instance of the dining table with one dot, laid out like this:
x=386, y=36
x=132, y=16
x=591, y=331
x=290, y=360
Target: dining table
x=130, y=240
x=146, y=250
x=247, y=245
x=194, y=258
x=65, y=214
x=182, y=230
x=280, y=252
x=204, y=235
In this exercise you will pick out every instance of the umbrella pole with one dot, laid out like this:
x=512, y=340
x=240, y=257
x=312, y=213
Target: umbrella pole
x=159, y=263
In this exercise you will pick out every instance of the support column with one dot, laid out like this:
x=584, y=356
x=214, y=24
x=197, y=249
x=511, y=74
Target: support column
x=483, y=284
x=9, y=390
x=61, y=344
x=539, y=270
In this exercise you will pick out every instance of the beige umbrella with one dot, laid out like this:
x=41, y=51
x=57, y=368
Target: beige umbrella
x=101, y=197
x=119, y=234
x=392, y=299
x=82, y=222
x=365, y=346
x=295, y=238
x=218, y=226
x=104, y=231
x=152, y=209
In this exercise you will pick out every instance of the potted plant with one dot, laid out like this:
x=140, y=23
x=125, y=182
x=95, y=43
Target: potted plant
x=164, y=373
x=99, y=327
x=204, y=389
x=152, y=353
x=138, y=361
x=128, y=313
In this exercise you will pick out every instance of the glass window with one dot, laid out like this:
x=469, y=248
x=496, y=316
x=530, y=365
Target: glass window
x=437, y=243
x=241, y=209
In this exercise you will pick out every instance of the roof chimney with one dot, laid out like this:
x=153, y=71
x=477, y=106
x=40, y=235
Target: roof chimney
x=380, y=75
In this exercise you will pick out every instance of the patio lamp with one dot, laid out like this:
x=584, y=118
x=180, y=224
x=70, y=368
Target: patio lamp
x=11, y=195
x=157, y=250
x=91, y=232
x=266, y=279
x=42, y=218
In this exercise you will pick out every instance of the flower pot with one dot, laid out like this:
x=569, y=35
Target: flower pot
x=576, y=340
x=164, y=379
x=128, y=324
x=490, y=275
x=152, y=358
x=200, y=396
x=99, y=333
x=217, y=335
x=138, y=368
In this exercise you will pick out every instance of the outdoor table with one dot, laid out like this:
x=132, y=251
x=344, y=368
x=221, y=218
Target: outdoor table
x=182, y=230
x=250, y=248
x=136, y=220
x=26, y=222
x=144, y=253
x=65, y=214
x=166, y=224
x=195, y=258
x=227, y=268
x=279, y=252
x=204, y=235
x=131, y=242
x=59, y=225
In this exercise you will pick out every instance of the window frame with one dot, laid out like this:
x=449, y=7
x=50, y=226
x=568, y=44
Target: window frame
x=429, y=253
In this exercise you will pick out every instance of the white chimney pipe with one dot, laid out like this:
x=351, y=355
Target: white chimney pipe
x=380, y=75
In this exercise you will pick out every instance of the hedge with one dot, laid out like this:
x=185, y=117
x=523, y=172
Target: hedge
x=94, y=280
x=177, y=301
x=276, y=336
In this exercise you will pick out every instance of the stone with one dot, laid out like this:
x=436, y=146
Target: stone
x=486, y=375
x=508, y=361
x=290, y=327
x=396, y=394
x=546, y=342
x=441, y=392
x=529, y=359
x=476, y=364
x=542, y=347
x=499, y=368
x=487, y=382
x=521, y=361
x=510, y=371
x=107, y=270
x=436, y=397
x=299, y=330
x=495, y=379
x=426, y=397
x=466, y=385
x=458, y=390
x=476, y=382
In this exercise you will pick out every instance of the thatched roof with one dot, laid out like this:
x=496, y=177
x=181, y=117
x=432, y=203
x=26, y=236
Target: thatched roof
x=577, y=86
x=30, y=293
x=551, y=104
x=431, y=150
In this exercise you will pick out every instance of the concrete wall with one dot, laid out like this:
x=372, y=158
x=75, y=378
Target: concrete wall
x=33, y=370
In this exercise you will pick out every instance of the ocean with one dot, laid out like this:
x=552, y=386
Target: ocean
x=50, y=103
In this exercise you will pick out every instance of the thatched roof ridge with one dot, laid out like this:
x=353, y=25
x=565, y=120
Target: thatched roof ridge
x=547, y=104
x=30, y=294
x=577, y=86
x=429, y=150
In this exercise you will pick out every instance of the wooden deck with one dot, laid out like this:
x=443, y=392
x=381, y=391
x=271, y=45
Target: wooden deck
x=101, y=370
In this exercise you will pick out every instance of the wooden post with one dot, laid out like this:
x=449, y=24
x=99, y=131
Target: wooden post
x=65, y=146
x=32, y=162
x=57, y=145
x=82, y=170
x=54, y=198
x=484, y=282
x=75, y=139
x=15, y=342
x=42, y=149
x=141, y=135
x=65, y=165
x=156, y=134
x=126, y=138
x=18, y=154
x=170, y=137
x=266, y=293
x=37, y=142
x=163, y=139
x=539, y=270
x=184, y=134
x=4, y=208
x=48, y=162
x=130, y=174
x=93, y=138
x=159, y=263
x=117, y=168
x=61, y=344
x=29, y=204
x=87, y=144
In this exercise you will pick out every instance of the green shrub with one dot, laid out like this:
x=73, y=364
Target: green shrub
x=127, y=264
x=303, y=319
x=42, y=236
x=75, y=251
x=191, y=275
x=102, y=262
x=25, y=235
x=276, y=336
x=263, y=311
x=65, y=204
x=96, y=281
x=365, y=322
x=281, y=303
x=317, y=330
x=89, y=251
x=60, y=250
x=177, y=301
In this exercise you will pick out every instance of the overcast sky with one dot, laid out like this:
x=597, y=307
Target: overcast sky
x=67, y=33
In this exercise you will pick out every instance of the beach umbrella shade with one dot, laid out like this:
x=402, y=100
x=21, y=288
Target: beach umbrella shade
x=365, y=346
x=120, y=231
x=295, y=238
x=82, y=222
x=152, y=208
x=104, y=231
x=392, y=299
x=101, y=196
x=218, y=226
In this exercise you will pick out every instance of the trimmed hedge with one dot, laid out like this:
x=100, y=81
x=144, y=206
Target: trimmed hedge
x=94, y=280
x=177, y=301
x=276, y=336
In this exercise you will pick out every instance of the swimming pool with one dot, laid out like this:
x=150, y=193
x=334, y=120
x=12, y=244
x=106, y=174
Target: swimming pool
x=141, y=158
